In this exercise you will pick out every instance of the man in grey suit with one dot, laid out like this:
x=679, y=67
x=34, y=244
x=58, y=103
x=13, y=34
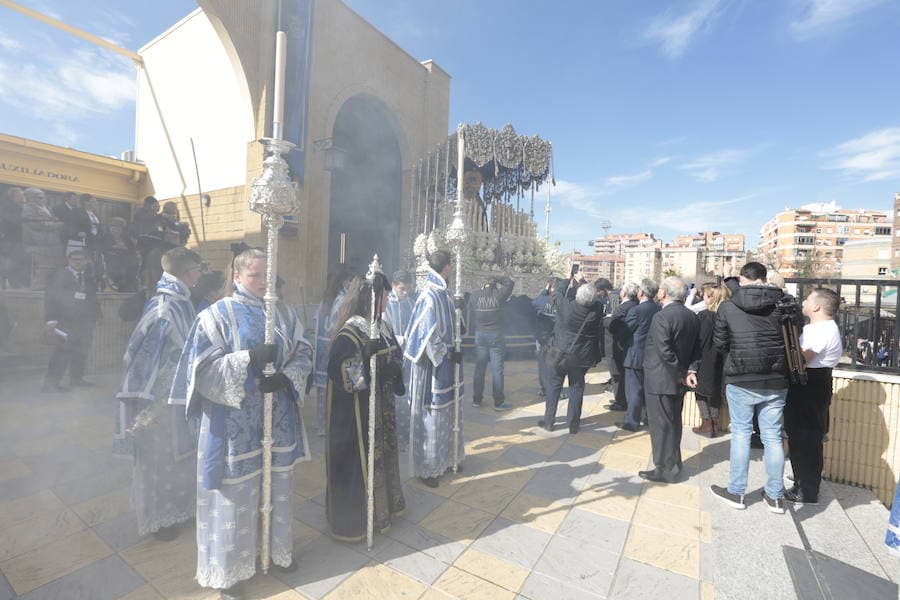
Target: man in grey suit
x=670, y=349
x=638, y=323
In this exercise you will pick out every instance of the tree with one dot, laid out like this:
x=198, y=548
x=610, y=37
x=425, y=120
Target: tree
x=670, y=272
x=806, y=268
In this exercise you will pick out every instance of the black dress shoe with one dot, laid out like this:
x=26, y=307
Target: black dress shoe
x=235, y=592
x=166, y=534
x=654, y=475
x=431, y=482
x=545, y=426
x=616, y=406
x=795, y=496
x=626, y=426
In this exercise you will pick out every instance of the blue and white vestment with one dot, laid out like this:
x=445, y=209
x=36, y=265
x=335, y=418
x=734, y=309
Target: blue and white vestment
x=893, y=533
x=219, y=385
x=150, y=431
x=428, y=344
x=397, y=314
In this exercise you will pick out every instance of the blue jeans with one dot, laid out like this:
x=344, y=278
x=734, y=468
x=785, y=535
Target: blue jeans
x=489, y=346
x=769, y=404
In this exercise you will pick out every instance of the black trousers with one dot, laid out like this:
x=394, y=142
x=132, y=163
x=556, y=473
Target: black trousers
x=576, y=394
x=619, y=376
x=70, y=354
x=806, y=422
x=664, y=416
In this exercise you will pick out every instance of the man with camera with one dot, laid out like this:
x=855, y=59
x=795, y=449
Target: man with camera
x=806, y=411
x=748, y=331
x=487, y=304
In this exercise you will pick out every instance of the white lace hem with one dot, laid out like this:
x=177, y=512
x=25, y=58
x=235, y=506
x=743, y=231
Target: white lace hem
x=220, y=579
x=153, y=525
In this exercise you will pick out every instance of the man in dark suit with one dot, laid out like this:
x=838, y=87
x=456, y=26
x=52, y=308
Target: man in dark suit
x=71, y=310
x=638, y=323
x=671, y=346
x=620, y=342
x=73, y=232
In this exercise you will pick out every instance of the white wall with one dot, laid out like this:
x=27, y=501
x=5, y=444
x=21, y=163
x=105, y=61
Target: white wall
x=199, y=95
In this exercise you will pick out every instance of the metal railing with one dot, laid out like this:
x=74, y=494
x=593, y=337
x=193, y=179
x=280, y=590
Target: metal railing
x=867, y=318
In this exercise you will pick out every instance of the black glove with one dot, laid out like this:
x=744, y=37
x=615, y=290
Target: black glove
x=263, y=355
x=370, y=348
x=278, y=381
x=456, y=357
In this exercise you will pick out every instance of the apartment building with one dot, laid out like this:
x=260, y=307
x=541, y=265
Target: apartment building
x=810, y=240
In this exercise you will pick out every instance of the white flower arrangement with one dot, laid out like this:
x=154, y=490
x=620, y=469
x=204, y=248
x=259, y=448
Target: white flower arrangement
x=420, y=246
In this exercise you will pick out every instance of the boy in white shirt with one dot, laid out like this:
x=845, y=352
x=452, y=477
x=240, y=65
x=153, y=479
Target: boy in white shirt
x=806, y=410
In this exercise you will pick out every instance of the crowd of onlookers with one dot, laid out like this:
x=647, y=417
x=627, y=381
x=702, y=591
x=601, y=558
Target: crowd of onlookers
x=36, y=238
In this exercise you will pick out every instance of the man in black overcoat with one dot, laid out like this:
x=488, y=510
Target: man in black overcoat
x=670, y=349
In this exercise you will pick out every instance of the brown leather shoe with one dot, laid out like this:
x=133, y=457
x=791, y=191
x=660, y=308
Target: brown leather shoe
x=707, y=428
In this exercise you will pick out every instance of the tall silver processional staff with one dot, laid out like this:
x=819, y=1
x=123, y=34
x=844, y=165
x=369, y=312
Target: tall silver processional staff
x=456, y=237
x=273, y=195
x=374, y=334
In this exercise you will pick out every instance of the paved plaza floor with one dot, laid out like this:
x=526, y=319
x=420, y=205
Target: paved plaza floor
x=534, y=515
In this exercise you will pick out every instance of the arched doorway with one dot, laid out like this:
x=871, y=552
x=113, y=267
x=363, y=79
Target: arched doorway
x=366, y=193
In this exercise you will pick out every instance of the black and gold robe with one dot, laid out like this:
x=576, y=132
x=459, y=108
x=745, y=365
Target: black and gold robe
x=346, y=456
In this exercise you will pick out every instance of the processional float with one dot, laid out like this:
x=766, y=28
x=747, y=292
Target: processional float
x=500, y=173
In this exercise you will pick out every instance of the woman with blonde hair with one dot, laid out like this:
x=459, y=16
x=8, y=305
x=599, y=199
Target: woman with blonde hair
x=710, y=364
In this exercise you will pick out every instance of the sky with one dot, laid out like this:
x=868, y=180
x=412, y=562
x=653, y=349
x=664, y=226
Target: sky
x=665, y=117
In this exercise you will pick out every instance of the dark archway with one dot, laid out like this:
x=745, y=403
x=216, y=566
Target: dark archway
x=366, y=193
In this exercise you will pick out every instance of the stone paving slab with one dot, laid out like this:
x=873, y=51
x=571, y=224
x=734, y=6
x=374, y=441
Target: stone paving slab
x=534, y=515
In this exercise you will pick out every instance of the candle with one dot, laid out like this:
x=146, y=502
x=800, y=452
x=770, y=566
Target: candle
x=280, y=54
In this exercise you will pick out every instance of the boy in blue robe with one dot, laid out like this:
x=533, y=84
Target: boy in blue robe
x=220, y=377
x=429, y=348
x=152, y=433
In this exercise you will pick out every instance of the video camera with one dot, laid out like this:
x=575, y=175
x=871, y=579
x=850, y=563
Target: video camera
x=790, y=317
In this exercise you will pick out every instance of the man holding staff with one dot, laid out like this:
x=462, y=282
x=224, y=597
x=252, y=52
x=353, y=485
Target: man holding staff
x=220, y=377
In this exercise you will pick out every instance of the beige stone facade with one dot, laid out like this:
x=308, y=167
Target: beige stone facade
x=810, y=240
x=619, y=243
x=641, y=263
x=895, y=239
x=594, y=266
x=686, y=263
x=352, y=65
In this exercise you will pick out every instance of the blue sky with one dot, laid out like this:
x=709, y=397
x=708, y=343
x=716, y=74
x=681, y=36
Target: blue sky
x=668, y=117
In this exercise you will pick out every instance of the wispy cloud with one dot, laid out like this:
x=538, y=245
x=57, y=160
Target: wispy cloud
x=820, y=16
x=675, y=217
x=62, y=85
x=9, y=43
x=710, y=167
x=623, y=181
x=663, y=160
x=674, y=32
x=82, y=82
x=873, y=157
